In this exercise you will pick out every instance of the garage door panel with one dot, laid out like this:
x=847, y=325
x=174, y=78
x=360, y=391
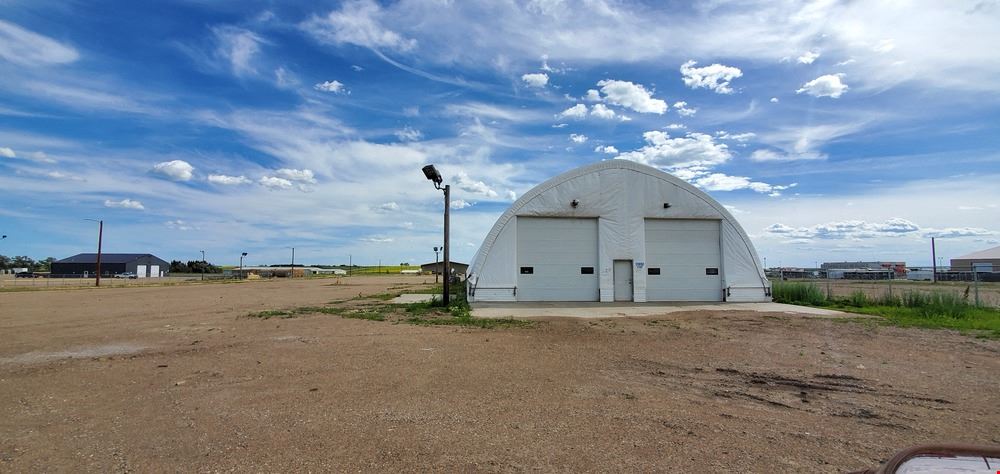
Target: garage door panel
x=556, y=249
x=682, y=250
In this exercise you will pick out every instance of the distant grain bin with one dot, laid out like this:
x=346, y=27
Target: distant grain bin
x=617, y=231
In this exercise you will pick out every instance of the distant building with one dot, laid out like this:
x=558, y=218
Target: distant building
x=286, y=271
x=436, y=268
x=899, y=268
x=987, y=261
x=143, y=265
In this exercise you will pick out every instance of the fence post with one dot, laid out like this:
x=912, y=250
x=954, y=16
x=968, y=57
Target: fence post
x=975, y=279
x=890, y=287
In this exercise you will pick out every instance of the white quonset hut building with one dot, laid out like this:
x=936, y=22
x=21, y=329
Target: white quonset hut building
x=617, y=231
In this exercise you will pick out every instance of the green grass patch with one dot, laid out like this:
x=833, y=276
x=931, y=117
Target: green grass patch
x=936, y=310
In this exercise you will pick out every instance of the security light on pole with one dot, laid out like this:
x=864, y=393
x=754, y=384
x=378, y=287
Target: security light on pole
x=244, y=254
x=432, y=174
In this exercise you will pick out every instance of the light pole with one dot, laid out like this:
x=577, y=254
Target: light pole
x=244, y=254
x=203, y=265
x=292, y=273
x=432, y=174
x=100, y=237
x=436, y=271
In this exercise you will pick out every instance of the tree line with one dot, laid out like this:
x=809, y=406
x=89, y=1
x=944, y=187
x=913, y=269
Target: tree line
x=23, y=261
x=193, y=266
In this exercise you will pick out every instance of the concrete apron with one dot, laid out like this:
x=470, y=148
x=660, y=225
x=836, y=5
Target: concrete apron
x=527, y=310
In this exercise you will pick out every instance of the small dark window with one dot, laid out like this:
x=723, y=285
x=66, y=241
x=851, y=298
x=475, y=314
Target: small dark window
x=711, y=271
x=586, y=270
x=652, y=271
x=527, y=270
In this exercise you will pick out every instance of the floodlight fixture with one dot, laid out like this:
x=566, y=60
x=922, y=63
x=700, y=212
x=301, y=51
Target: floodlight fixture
x=432, y=174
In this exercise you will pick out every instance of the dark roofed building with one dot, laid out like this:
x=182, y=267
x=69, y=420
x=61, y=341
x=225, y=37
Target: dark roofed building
x=143, y=265
x=438, y=267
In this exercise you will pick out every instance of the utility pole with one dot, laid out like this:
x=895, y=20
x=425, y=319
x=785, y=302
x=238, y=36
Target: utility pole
x=432, y=174
x=100, y=237
x=350, y=264
x=933, y=261
x=203, y=265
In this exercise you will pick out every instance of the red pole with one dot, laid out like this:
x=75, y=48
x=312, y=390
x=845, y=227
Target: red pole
x=100, y=236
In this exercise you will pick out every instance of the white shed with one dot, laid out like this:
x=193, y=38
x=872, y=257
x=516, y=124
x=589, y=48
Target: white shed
x=616, y=231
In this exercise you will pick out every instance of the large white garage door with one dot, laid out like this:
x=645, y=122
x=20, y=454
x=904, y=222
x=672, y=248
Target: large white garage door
x=557, y=259
x=683, y=260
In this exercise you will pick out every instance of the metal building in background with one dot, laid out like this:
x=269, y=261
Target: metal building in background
x=143, y=265
x=983, y=261
x=617, y=231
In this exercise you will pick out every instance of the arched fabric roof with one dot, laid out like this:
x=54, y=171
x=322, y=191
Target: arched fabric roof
x=620, y=193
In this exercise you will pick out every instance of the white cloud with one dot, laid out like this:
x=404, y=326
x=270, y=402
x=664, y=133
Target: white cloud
x=715, y=77
x=739, y=137
x=357, y=68
x=611, y=150
x=302, y=176
x=577, y=138
x=408, y=134
x=723, y=182
x=764, y=155
x=179, y=225
x=334, y=86
x=603, y=112
x=808, y=57
x=227, y=180
x=465, y=183
x=954, y=232
x=63, y=176
x=560, y=125
x=884, y=46
x=511, y=195
x=125, y=204
x=683, y=110
x=846, y=62
x=273, y=182
x=27, y=48
x=694, y=149
x=774, y=100
x=828, y=85
x=377, y=239
x=461, y=204
x=631, y=96
x=849, y=229
x=592, y=96
x=7, y=152
x=284, y=78
x=676, y=126
x=388, y=207
x=238, y=47
x=537, y=80
x=177, y=170
x=358, y=22
x=577, y=111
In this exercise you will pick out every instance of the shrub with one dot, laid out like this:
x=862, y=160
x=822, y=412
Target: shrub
x=797, y=293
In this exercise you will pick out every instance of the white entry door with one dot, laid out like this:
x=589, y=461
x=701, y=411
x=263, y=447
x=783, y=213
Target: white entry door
x=154, y=271
x=140, y=271
x=623, y=280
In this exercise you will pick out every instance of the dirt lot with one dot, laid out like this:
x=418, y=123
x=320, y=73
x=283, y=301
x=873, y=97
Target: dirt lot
x=179, y=379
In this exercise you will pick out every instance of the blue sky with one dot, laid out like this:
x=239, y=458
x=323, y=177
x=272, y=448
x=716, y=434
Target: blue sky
x=832, y=130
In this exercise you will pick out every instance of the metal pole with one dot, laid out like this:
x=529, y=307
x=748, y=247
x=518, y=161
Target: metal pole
x=241, y=267
x=975, y=279
x=100, y=237
x=447, y=255
x=437, y=265
x=350, y=264
x=933, y=261
x=292, y=275
x=202, y=265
